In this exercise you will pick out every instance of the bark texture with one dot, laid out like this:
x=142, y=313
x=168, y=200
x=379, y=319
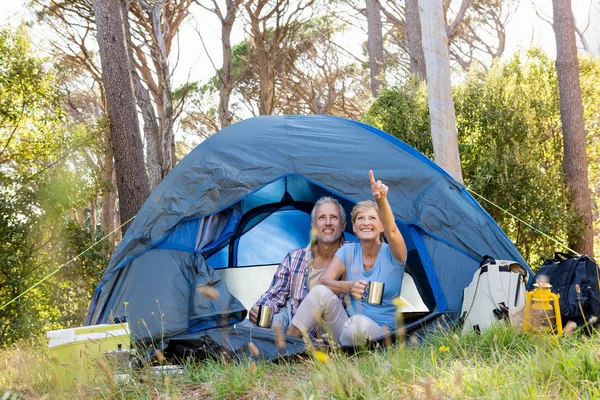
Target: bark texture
x=575, y=161
x=227, y=81
x=109, y=199
x=132, y=180
x=414, y=39
x=375, y=45
x=439, y=90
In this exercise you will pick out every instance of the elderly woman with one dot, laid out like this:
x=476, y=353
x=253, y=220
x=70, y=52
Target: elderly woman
x=356, y=264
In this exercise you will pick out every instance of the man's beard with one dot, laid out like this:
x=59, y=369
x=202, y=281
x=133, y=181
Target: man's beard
x=329, y=239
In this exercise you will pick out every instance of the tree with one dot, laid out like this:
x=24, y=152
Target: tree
x=42, y=178
x=74, y=48
x=226, y=80
x=508, y=120
x=151, y=28
x=132, y=180
x=414, y=39
x=269, y=42
x=310, y=76
x=26, y=149
x=475, y=32
x=154, y=25
x=441, y=106
x=575, y=159
x=375, y=45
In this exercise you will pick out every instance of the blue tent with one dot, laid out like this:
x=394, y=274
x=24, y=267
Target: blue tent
x=242, y=198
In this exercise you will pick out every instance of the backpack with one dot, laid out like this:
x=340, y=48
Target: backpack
x=497, y=292
x=565, y=273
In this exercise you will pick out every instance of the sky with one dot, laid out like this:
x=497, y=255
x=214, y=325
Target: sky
x=524, y=29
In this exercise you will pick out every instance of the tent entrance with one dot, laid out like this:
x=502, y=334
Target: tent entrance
x=266, y=232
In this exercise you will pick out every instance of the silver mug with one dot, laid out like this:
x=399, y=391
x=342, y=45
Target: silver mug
x=374, y=293
x=265, y=316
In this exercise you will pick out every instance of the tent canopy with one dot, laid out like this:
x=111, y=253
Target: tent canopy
x=243, y=198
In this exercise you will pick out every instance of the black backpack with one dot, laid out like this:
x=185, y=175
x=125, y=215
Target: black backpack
x=565, y=273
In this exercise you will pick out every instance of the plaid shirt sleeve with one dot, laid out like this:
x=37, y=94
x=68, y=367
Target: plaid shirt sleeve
x=279, y=291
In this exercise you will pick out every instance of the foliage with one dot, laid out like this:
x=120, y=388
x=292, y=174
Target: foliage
x=510, y=143
x=311, y=74
x=28, y=117
x=87, y=254
x=43, y=175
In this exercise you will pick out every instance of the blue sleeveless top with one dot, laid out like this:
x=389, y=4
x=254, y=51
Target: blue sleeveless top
x=386, y=269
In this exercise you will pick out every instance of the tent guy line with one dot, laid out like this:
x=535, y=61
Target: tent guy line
x=525, y=223
x=65, y=264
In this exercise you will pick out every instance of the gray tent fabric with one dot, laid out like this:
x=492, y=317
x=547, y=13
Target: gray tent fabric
x=166, y=292
x=450, y=230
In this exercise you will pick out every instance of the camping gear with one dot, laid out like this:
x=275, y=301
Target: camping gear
x=265, y=316
x=374, y=292
x=575, y=279
x=541, y=309
x=75, y=352
x=496, y=293
x=241, y=200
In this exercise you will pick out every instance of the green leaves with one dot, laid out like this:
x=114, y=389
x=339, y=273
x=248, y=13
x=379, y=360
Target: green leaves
x=510, y=142
x=48, y=167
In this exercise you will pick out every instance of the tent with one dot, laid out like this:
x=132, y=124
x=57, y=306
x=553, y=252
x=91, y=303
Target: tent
x=228, y=213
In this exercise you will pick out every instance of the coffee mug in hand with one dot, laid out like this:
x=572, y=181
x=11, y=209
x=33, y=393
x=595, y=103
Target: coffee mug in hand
x=265, y=316
x=374, y=293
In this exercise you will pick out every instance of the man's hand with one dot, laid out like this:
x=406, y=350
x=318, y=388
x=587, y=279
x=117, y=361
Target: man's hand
x=358, y=289
x=377, y=187
x=253, y=314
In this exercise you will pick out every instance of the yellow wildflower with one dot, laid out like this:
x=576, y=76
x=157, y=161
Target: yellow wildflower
x=313, y=235
x=399, y=302
x=444, y=348
x=321, y=356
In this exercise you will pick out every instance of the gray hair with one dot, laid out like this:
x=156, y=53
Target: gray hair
x=363, y=205
x=328, y=199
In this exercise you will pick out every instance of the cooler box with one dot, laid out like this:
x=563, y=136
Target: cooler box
x=74, y=351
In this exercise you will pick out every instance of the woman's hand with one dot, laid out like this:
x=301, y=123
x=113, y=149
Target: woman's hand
x=358, y=289
x=392, y=233
x=377, y=187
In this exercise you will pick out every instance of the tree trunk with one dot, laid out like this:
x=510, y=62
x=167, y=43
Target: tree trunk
x=93, y=215
x=375, y=45
x=265, y=69
x=164, y=82
x=439, y=89
x=151, y=135
x=414, y=39
x=225, y=116
x=132, y=180
x=109, y=199
x=575, y=161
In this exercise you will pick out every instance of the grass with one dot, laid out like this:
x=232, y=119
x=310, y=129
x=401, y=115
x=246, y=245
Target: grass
x=501, y=363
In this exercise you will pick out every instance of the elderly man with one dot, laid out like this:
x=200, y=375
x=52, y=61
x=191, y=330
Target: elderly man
x=300, y=270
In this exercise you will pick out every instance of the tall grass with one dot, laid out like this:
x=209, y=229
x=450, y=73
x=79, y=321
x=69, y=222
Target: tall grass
x=501, y=363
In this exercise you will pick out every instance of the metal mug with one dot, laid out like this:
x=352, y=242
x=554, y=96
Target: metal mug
x=265, y=316
x=374, y=292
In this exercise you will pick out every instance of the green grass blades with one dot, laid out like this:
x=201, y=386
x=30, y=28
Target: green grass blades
x=501, y=363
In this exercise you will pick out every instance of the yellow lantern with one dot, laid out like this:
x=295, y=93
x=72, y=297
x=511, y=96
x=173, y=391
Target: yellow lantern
x=542, y=311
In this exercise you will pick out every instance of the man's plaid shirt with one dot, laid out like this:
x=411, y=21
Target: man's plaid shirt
x=290, y=282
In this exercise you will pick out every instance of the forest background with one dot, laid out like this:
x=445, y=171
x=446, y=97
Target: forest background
x=61, y=214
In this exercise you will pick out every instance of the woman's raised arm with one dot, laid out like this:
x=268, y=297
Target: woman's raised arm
x=391, y=230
